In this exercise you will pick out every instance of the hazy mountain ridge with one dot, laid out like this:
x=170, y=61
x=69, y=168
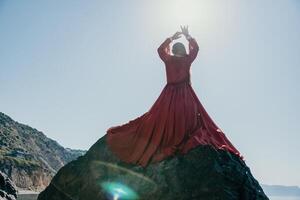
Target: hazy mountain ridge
x=28, y=157
x=281, y=190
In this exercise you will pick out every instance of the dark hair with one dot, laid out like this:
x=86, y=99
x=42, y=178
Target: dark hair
x=179, y=49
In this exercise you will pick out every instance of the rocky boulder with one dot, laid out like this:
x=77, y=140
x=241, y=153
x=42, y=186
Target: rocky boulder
x=202, y=173
x=7, y=188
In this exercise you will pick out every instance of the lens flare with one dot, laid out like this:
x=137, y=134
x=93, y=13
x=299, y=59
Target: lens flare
x=118, y=182
x=116, y=191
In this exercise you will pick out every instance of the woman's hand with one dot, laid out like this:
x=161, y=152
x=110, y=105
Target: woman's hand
x=176, y=35
x=185, y=31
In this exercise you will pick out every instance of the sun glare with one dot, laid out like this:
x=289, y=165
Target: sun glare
x=188, y=12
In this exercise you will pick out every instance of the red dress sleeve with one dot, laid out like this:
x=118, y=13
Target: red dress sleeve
x=193, y=48
x=164, y=50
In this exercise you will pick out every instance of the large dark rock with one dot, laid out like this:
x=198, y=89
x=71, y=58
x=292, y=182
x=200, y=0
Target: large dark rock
x=202, y=173
x=7, y=188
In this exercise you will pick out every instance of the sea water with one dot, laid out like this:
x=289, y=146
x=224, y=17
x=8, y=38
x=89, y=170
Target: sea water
x=27, y=196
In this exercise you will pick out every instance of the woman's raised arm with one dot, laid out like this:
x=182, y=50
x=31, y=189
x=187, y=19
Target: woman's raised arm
x=193, y=46
x=193, y=49
x=164, y=50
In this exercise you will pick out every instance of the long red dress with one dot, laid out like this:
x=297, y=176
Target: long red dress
x=176, y=123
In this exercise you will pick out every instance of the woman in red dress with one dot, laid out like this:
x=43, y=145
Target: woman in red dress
x=177, y=121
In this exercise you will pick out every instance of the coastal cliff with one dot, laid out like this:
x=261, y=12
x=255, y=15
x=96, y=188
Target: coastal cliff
x=28, y=157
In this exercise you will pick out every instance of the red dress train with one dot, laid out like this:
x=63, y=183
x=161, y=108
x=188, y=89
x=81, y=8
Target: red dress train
x=176, y=123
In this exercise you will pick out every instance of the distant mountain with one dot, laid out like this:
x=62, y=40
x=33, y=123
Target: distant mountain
x=28, y=157
x=281, y=190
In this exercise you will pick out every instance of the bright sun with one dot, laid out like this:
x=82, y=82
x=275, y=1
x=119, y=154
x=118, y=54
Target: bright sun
x=189, y=12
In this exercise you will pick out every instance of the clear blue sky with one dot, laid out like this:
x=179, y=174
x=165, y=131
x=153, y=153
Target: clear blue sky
x=74, y=68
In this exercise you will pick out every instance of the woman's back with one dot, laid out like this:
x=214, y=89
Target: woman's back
x=177, y=69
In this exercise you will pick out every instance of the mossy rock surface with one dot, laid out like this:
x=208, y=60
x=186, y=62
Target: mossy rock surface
x=202, y=173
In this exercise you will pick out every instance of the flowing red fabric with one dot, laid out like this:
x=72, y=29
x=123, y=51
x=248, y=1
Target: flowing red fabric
x=176, y=123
